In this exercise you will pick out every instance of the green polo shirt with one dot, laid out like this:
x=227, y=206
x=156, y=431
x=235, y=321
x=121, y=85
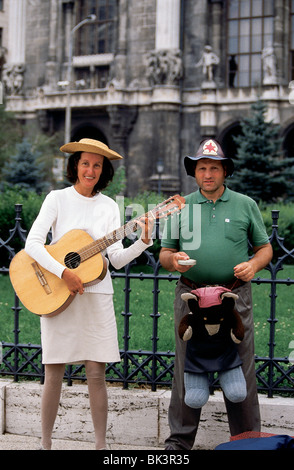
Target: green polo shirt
x=215, y=234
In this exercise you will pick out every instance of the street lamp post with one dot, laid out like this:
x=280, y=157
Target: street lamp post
x=160, y=170
x=88, y=19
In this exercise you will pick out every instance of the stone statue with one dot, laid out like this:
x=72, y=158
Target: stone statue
x=207, y=61
x=269, y=65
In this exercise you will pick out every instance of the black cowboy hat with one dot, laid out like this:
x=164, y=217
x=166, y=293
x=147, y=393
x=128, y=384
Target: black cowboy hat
x=209, y=148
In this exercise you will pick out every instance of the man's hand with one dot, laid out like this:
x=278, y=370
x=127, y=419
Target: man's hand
x=169, y=260
x=244, y=271
x=262, y=257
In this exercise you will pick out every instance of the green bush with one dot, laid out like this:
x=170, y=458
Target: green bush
x=285, y=221
x=31, y=203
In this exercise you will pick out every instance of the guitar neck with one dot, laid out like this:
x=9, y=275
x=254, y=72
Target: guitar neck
x=116, y=235
x=167, y=207
x=102, y=243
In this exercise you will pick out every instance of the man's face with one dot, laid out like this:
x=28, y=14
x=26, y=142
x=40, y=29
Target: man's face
x=210, y=175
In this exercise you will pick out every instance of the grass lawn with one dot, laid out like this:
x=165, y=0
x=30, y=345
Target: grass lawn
x=141, y=307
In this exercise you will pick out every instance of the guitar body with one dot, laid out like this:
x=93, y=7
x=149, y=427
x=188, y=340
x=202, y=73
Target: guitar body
x=44, y=293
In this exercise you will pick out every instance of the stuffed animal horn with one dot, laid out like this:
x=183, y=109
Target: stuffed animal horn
x=229, y=294
x=237, y=333
x=187, y=296
x=185, y=329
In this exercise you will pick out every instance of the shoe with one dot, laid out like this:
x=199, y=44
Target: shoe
x=174, y=446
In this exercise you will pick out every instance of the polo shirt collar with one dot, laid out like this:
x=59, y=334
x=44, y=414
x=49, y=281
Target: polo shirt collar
x=224, y=197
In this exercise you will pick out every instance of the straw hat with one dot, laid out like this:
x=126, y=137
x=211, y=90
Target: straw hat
x=91, y=146
x=209, y=148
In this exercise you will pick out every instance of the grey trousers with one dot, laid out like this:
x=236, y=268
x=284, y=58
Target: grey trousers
x=244, y=416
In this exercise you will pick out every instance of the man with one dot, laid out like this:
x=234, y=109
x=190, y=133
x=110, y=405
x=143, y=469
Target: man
x=214, y=228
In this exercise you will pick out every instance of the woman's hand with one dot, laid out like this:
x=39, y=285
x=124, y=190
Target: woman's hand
x=73, y=282
x=146, y=225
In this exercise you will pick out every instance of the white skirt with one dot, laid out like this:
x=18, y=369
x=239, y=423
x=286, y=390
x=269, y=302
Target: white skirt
x=86, y=330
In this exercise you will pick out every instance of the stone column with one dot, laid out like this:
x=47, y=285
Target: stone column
x=279, y=41
x=167, y=24
x=122, y=120
x=217, y=10
x=16, y=31
x=51, y=65
x=165, y=73
x=275, y=70
x=14, y=69
x=119, y=68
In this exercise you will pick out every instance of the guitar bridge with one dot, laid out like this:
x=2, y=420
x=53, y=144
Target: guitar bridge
x=41, y=278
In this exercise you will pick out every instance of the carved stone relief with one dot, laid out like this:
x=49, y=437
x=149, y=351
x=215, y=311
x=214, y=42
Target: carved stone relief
x=164, y=67
x=13, y=77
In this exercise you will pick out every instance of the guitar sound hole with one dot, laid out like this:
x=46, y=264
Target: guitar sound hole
x=72, y=260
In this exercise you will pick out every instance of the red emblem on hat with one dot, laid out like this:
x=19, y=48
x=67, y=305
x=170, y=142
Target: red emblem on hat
x=210, y=148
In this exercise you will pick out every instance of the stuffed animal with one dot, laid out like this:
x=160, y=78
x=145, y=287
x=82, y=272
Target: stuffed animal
x=212, y=329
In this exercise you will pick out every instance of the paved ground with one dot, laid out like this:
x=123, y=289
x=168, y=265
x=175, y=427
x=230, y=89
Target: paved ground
x=15, y=442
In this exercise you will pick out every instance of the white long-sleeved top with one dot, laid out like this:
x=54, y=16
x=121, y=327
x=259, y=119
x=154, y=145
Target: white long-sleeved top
x=64, y=210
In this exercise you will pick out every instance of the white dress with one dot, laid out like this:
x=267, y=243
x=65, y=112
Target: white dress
x=87, y=329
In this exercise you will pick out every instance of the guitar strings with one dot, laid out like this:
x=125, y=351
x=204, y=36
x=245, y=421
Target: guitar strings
x=91, y=249
x=99, y=245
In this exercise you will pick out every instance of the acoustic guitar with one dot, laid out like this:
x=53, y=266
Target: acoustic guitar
x=44, y=293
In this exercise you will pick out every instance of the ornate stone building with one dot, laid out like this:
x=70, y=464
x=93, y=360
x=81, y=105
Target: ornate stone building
x=3, y=41
x=150, y=77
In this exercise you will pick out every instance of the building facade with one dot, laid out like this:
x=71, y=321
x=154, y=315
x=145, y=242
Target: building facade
x=150, y=78
x=3, y=41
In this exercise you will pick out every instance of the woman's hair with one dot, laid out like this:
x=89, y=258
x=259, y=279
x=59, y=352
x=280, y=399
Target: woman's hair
x=105, y=177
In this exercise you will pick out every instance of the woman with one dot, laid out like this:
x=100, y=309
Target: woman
x=86, y=331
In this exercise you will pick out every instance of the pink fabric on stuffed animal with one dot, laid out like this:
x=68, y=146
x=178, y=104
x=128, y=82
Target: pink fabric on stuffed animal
x=209, y=296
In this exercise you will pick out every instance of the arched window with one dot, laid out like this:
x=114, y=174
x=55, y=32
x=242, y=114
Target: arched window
x=250, y=28
x=288, y=144
x=90, y=132
x=227, y=140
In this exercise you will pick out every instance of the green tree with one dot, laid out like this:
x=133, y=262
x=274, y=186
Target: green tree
x=261, y=172
x=24, y=170
x=47, y=148
x=11, y=133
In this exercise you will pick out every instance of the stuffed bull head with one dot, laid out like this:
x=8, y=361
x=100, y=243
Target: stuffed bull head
x=211, y=307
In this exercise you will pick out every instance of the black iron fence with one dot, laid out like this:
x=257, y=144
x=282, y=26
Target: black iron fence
x=153, y=367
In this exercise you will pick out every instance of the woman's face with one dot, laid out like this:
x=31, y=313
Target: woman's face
x=89, y=169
